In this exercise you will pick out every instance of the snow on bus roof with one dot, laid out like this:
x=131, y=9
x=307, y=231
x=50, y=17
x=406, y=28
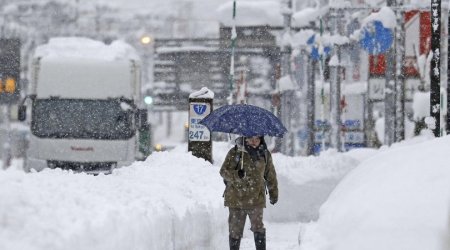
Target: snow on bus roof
x=81, y=47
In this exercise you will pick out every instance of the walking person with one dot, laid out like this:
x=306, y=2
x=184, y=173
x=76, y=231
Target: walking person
x=247, y=171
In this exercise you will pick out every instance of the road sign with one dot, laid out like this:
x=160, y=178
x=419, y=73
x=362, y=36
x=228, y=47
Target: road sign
x=316, y=50
x=376, y=39
x=197, y=112
x=199, y=136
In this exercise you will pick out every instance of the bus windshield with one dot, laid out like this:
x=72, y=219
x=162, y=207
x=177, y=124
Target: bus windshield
x=82, y=119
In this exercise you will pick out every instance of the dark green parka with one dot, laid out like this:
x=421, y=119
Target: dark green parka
x=248, y=192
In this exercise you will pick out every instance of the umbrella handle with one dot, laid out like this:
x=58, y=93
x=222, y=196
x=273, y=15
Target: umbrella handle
x=242, y=164
x=242, y=160
x=242, y=154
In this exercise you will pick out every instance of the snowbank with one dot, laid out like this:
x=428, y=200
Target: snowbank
x=170, y=201
x=155, y=204
x=306, y=182
x=399, y=199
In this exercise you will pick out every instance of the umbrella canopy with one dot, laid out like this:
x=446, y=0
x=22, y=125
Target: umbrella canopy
x=243, y=119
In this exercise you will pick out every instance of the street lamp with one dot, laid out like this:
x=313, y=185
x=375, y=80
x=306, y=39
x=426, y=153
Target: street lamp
x=146, y=39
x=146, y=42
x=148, y=100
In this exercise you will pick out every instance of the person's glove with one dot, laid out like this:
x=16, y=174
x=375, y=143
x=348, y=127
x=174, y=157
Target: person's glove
x=273, y=201
x=241, y=173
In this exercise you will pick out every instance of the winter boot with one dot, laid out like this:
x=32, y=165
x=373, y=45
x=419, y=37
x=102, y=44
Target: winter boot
x=234, y=243
x=260, y=240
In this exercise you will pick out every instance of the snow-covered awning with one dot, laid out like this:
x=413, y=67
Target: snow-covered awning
x=304, y=17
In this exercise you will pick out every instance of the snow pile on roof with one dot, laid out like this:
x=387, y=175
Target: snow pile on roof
x=399, y=199
x=301, y=38
x=81, y=47
x=304, y=17
x=385, y=15
x=251, y=13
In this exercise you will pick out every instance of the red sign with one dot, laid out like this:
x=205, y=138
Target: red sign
x=417, y=42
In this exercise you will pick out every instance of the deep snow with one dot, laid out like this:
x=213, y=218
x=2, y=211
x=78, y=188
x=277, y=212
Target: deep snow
x=399, y=199
x=173, y=200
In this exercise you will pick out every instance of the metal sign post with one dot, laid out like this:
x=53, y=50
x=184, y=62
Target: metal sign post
x=6, y=150
x=199, y=136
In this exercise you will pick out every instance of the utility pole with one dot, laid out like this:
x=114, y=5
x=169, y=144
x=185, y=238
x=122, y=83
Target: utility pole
x=399, y=74
x=448, y=77
x=286, y=46
x=310, y=103
x=301, y=76
x=233, y=44
x=335, y=83
x=389, y=96
x=435, y=75
x=285, y=70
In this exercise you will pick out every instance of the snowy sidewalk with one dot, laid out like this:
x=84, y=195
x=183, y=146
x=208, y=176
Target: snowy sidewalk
x=280, y=236
x=170, y=201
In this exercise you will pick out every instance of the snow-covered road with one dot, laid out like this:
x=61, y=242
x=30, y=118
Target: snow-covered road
x=173, y=201
x=170, y=201
x=280, y=236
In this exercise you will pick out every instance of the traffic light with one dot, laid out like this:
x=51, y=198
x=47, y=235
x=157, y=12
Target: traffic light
x=10, y=85
x=9, y=70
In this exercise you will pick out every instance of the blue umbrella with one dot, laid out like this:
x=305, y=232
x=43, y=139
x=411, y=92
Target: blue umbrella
x=243, y=119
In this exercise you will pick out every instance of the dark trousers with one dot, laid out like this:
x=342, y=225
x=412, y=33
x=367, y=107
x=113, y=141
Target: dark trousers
x=237, y=217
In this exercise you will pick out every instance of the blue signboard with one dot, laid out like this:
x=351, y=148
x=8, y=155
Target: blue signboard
x=375, y=38
x=315, y=54
x=199, y=109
